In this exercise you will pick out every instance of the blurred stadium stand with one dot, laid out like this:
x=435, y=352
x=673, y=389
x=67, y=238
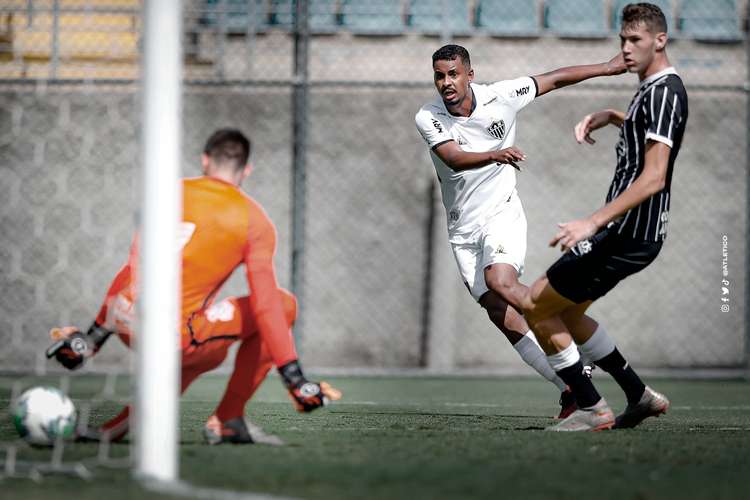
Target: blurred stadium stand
x=104, y=32
x=427, y=16
x=99, y=38
x=364, y=17
x=710, y=20
x=322, y=14
x=236, y=16
x=576, y=18
x=509, y=17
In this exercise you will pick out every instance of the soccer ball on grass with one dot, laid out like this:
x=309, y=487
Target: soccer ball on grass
x=44, y=414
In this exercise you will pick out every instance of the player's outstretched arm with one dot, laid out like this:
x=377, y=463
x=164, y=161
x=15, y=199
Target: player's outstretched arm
x=595, y=121
x=570, y=75
x=458, y=159
x=650, y=181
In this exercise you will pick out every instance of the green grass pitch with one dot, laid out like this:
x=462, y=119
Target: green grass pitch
x=437, y=438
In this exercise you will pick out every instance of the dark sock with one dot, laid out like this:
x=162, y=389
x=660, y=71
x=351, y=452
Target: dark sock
x=583, y=390
x=614, y=364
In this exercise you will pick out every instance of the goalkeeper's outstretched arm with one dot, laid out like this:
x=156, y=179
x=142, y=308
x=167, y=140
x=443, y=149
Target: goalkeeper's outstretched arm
x=71, y=347
x=266, y=306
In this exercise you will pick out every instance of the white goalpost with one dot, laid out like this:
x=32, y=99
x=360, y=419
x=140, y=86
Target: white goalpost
x=156, y=405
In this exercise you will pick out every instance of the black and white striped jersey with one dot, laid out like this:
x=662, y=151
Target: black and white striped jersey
x=658, y=112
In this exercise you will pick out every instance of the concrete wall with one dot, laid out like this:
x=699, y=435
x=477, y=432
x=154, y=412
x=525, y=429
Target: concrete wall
x=69, y=184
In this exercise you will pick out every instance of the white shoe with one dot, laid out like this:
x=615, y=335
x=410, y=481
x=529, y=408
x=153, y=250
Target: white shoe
x=595, y=418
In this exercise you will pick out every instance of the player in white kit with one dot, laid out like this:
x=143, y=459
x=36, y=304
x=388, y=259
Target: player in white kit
x=470, y=130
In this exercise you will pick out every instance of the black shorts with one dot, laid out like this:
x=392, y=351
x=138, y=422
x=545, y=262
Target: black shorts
x=594, y=266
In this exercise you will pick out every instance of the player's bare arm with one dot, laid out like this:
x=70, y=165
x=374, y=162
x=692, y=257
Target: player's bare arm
x=570, y=75
x=651, y=180
x=457, y=159
x=595, y=121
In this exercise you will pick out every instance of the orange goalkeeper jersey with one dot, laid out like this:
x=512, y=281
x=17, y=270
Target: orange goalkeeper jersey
x=222, y=229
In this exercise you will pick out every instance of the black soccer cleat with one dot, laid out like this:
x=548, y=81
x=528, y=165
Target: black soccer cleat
x=232, y=431
x=651, y=404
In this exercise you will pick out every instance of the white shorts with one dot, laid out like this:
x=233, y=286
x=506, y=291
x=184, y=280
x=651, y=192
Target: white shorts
x=502, y=240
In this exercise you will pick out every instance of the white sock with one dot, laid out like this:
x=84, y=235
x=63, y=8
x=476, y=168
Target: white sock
x=565, y=358
x=532, y=354
x=598, y=346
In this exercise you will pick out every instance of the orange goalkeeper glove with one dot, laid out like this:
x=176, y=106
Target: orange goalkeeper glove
x=306, y=396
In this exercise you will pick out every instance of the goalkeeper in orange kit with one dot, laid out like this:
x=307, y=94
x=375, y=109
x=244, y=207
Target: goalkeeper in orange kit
x=222, y=228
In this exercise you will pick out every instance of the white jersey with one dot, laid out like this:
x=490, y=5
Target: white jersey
x=473, y=196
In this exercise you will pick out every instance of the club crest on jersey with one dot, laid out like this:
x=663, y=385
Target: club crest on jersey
x=664, y=219
x=497, y=129
x=620, y=146
x=454, y=215
x=582, y=247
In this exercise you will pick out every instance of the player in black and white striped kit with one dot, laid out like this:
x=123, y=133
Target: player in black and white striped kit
x=658, y=112
x=619, y=239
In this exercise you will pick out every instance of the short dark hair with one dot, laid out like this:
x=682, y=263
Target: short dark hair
x=450, y=52
x=647, y=13
x=228, y=146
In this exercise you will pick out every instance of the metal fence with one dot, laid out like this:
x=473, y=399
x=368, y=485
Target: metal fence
x=379, y=288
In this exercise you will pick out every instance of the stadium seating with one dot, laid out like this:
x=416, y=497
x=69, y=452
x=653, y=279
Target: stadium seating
x=576, y=18
x=508, y=17
x=322, y=16
x=367, y=17
x=427, y=16
x=235, y=16
x=108, y=31
x=664, y=5
x=710, y=20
